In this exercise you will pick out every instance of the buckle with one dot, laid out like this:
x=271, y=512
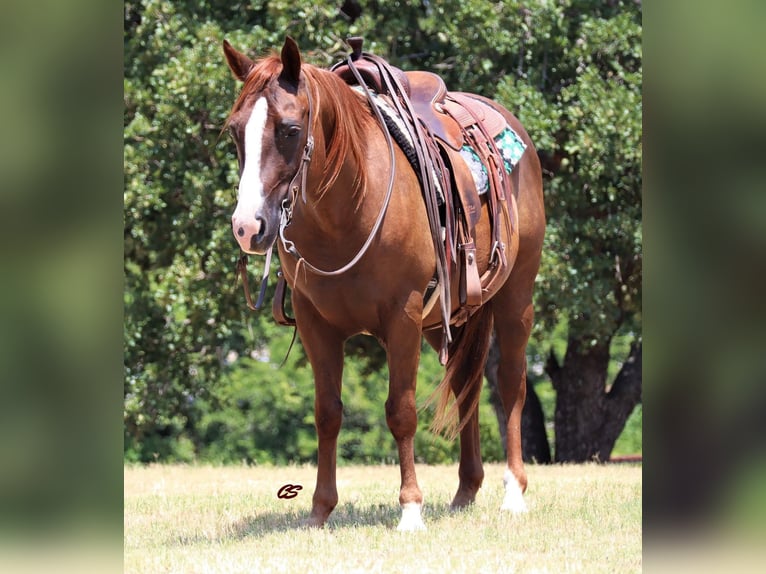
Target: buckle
x=308, y=148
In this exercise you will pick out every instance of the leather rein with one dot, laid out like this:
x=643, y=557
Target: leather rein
x=289, y=202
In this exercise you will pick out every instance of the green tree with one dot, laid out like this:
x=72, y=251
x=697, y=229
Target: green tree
x=182, y=315
x=580, y=98
x=200, y=377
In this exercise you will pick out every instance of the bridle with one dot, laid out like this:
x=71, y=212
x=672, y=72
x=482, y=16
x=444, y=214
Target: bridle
x=288, y=202
x=286, y=212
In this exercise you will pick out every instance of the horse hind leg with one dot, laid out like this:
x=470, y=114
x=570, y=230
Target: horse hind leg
x=464, y=378
x=514, y=314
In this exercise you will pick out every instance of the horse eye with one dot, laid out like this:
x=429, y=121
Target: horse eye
x=292, y=130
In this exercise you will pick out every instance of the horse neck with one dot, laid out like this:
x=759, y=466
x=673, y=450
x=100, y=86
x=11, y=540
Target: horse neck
x=335, y=208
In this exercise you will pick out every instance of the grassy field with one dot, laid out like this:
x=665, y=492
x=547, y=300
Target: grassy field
x=189, y=519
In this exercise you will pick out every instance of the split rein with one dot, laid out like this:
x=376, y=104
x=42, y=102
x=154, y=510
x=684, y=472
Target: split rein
x=289, y=202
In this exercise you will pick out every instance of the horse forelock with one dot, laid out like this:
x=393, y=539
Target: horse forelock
x=261, y=74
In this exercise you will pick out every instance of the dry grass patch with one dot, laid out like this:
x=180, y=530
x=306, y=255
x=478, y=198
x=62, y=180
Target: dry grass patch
x=584, y=518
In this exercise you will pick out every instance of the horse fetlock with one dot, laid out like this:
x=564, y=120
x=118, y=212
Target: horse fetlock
x=463, y=498
x=471, y=480
x=320, y=512
x=314, y=521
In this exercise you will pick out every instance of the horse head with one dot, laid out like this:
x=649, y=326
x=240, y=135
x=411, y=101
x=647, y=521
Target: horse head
x=269, y=124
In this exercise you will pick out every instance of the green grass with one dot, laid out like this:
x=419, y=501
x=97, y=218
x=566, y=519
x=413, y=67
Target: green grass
x=187, y=519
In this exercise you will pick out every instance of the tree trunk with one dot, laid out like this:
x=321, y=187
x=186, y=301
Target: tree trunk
x=534, y=441
x=588, y=418
x=621, y=399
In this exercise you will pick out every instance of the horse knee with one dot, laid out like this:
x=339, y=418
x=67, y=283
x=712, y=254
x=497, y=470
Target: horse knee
x=328, y=417
x=402, y=418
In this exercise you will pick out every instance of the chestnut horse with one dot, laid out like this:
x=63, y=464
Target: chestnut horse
x=285, y=109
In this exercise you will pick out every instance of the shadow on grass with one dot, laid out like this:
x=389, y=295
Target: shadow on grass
x=348, y=515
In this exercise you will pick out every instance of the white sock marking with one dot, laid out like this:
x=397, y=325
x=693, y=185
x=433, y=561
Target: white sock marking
x=411, y=520
x=514, y=498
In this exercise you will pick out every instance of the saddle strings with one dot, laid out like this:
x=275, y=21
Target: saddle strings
x=425, y=159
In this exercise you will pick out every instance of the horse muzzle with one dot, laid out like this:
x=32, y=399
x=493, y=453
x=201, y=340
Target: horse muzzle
x=254, y=233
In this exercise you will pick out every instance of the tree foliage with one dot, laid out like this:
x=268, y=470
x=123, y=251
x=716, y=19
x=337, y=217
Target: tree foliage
x=201, y=376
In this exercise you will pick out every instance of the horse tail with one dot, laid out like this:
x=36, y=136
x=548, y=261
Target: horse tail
x=464, y=375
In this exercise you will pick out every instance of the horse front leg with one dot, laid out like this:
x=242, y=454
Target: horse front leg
x=403, y=352
x=324, y=348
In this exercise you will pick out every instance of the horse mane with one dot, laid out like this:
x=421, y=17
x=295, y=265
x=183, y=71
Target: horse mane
x=350, y=118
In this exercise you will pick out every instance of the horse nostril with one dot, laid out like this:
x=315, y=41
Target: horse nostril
x=260, y=226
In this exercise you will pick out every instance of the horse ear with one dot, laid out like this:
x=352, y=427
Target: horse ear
x=239, y=63
x=291, y=61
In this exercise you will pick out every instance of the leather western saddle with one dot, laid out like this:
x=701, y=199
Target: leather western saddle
x=451, y=120
x=440, y=124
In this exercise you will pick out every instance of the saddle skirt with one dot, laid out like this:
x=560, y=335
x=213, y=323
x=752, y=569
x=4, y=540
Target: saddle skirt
x=508, y=143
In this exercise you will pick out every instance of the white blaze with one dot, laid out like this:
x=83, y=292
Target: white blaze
x=250, y=192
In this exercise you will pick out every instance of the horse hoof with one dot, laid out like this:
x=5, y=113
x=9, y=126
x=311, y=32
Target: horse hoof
x=513, y=501
x=411, y=520
x=411, y=527
x=312, y=522
x=461, y=501
x=514, y=505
